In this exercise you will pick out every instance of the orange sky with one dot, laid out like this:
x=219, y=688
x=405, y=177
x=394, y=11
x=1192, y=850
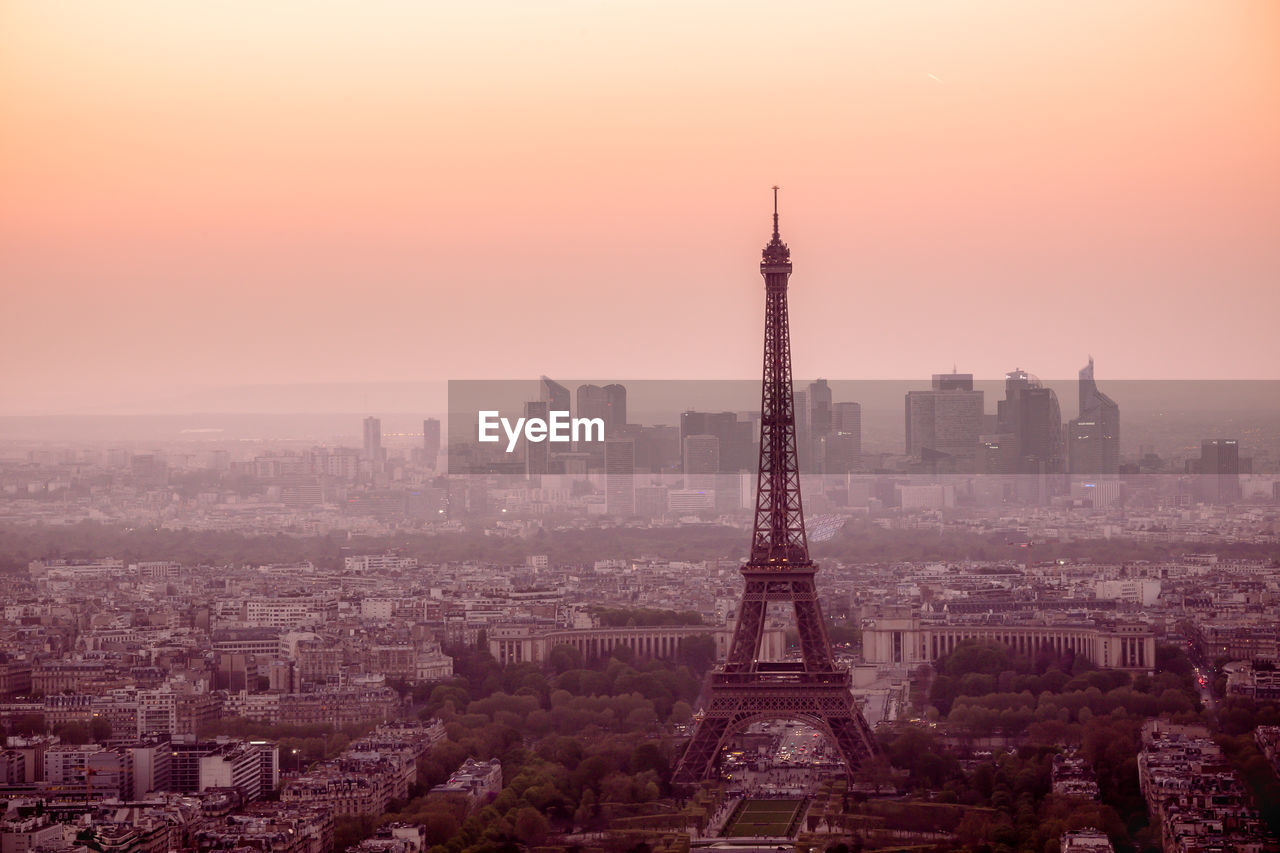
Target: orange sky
x=206, y=194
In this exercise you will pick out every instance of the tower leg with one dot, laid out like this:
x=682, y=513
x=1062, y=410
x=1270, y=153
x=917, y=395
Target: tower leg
x=699, y=759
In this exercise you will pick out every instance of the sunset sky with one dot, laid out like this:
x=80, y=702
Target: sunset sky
x=202, y=195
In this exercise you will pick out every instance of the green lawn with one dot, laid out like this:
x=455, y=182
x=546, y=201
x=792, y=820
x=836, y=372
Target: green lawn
x=764, y=817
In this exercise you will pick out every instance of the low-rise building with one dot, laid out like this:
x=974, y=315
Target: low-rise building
x=478, y=781
x=1194, y=795
x=1073, y=777
x=1085, y=841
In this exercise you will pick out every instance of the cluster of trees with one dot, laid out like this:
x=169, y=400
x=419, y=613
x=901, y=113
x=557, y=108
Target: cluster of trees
x=978, y=678
x=644, y=617
x=564, y=781
x=478, y=675
x=1101, y=712
x=1240, y=715
x=299, y=744
x=857, y=541
x=1015, y=713
x=981, y=689
x=91, y=539
x=27, y=724
x=862, y=541
x=1257, y=772
x=1016, y=785
x=19, y=545
x=97, y=730
x=574, y=744
x=575, y=700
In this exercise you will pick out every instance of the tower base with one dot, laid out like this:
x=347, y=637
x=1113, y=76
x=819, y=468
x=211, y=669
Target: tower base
x=821, y=700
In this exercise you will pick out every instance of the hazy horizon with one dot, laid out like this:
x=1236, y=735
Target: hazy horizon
x=1151, y=411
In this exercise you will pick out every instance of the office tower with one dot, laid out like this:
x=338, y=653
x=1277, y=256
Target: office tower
x=997, y=454
x=748, y=686
x=943, y=423
x=728, y=492
x=609, y=404
x=373, y=442
x=819, y=401
x=616, y=399
x=842, y=449
x=555, y=395
x=430, y=441
x=591, y=403
x=701, y=461
x=148, y=469
x=1219, y=470
x=819, y=408
x=537, y=454
x=953, y=381
x=1031, y=415
x=619, y=477
x=1094, y=437
x=705, y=423
x=846, y=420
x=1096, y=492
x=651, y=501
x=658, y=448
x=734, y=435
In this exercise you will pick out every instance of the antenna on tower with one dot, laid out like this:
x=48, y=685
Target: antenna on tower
x=775, y=210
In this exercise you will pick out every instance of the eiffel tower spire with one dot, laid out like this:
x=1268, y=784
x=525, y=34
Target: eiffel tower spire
x=746, y=689
x=779, y=538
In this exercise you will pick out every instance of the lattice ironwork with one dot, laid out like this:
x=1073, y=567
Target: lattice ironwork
x=745, y=689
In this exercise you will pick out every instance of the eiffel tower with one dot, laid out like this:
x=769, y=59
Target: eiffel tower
x=745, y=689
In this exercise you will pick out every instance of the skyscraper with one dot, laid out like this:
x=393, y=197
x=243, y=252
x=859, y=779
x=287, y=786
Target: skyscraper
x=1219, y=468
x=658, y=448
x=619, y=477
x=846, y=419
x=819, y=398
x=555, y=395
x=943, y=424
x=616, y=395
x=734, y=435
x=430, y=441
x=608, y=403
x=819, y=408
x=701, y=461
x=1094, y=437
x=373, y=442
x=1030, y=414
x=591, y=403
x=842, y=452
